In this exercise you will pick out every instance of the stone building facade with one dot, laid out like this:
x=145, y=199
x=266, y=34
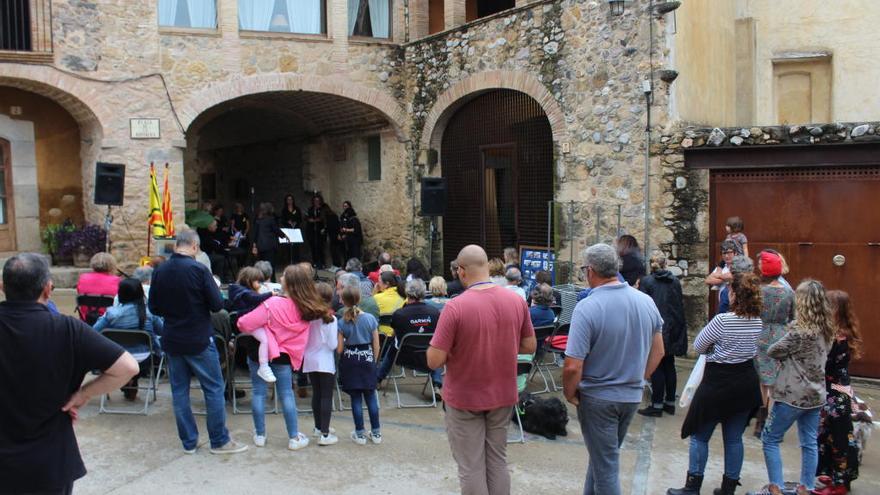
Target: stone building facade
x=363, y=118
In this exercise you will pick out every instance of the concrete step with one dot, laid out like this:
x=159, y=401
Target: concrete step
x=64, y=277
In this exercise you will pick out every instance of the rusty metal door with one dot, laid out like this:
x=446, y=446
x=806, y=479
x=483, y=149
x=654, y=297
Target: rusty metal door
x=825, y=221
x=497, y=158
x=7, y=217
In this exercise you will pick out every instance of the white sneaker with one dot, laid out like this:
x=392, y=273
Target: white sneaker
x=260, y=440
x=359, y=439
x=190, y=451
x=317, y=433
x=327, y=440
x=299, y=442
x=231, y=447
x=265, y=372
x=376, y=438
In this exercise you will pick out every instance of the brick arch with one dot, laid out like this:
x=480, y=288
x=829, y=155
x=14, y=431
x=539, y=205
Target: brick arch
x=79, y=97
x=461, y=92
x=218, y=93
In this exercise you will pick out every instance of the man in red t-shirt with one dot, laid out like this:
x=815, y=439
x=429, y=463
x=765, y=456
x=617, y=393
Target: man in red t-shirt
x=478, y=338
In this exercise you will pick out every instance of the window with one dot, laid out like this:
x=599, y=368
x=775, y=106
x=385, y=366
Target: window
x=15, y=25
x=476, y=9
x=199, y=14
x=803, y=90
x=370, y=18
x=282, y=16
x=374, y=158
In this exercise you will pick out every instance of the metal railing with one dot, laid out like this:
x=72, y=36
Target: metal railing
x=26, y=26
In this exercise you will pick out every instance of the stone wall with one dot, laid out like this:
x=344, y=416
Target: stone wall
x=685, y=190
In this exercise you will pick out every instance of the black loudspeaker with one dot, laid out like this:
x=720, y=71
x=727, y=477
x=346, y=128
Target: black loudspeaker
x=433, y=196
x=109, y=184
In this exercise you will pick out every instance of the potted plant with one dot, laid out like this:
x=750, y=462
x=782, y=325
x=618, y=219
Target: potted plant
x=50, y=236
x=82, y=243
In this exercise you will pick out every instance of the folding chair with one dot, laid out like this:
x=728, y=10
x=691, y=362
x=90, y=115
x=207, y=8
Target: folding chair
x=561, y=330
x=87, y=301
x=525, y=363
x=542, y=333
x=128, y=339
x=413, y=349
x=244, y=340
x=385, y=342
x=220, y=343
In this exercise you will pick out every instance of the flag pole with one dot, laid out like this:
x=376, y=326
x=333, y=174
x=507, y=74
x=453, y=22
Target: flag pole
x=149, y=225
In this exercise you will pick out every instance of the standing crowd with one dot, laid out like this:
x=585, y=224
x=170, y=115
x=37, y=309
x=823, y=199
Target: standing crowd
x=773, y=354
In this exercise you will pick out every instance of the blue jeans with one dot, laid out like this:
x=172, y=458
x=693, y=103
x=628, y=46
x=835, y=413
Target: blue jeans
x=782, y=416
x=357, y=403
x=284, y=389
x=206, y=367
x=732, y=429
x=388, y=361
x=604, y=424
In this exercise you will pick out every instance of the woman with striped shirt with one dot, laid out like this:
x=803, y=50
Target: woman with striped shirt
x=729, y=393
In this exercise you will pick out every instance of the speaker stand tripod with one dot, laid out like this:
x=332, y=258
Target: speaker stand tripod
x=108, y=222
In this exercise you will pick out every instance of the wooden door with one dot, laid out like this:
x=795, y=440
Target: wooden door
x=812, y=215
x=7, y=216
x=499, y=225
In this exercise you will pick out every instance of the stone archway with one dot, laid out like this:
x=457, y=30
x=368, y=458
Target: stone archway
x=217, y=94
x=463, y=91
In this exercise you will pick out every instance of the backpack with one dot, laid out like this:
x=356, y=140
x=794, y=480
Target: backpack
x=545, y=417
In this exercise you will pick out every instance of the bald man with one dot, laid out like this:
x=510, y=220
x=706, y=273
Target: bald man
x=478, y=338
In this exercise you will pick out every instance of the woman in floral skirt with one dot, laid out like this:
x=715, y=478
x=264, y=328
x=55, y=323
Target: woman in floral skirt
x=838, y=453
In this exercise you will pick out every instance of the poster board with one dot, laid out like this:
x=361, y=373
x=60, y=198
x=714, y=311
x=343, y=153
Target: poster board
x=533, y=259
x=295, y=236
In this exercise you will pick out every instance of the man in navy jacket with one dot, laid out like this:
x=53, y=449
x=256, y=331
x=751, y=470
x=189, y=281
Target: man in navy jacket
x=184, y=293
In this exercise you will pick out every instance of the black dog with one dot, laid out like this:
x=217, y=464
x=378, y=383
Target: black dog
x=545, y=417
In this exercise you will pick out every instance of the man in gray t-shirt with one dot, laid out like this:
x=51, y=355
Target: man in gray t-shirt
x=614, y=344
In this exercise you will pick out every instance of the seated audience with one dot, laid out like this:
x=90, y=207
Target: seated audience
x=437, y=296
x=336, y=302
x=101, y=281
x=367, y=303
x=355, y=266
x=132, y=314
x=387, y=299
x=414, y=317
x=454, y=287
x=384, y=259
x=540, y=312
x=267, y=286
x=214, y=243
x=416, y=269
x=513, y=277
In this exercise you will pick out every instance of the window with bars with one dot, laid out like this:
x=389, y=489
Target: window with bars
x=15, y=25
x=198, y=14
x=374, y=158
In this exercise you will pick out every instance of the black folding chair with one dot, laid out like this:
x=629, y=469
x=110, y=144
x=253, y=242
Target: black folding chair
x=129, y=339
x=88, y=304
x=412, y=354
x=385, y=343
x=236, y=382
x=541, y=335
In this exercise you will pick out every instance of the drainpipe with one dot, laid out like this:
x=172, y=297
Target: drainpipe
x=647, y=88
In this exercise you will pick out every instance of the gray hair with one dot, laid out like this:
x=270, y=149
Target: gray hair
x=143, y=274
x=742, y=264
x=103, y=263
x=187, y=238
x=265, y=267
x=542, y=295
x=384, y=259
x=602, y=259
x=728, y=245
x=24, y=277
x=415, y=289
x=354, y=265
x=350, y=280
x=513, y=275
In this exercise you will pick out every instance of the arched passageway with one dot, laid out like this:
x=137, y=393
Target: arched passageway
x=497, y=156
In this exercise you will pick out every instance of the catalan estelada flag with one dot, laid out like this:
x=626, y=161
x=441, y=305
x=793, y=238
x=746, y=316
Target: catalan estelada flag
x=156, y=221
x=167, y=214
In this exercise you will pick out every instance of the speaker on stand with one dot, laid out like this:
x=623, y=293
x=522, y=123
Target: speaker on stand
x=433, y=205
x=109, y=190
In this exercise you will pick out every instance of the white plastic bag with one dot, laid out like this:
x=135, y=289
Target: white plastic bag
x=693, y=382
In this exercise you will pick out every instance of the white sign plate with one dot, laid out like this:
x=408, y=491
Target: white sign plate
x=144, y=128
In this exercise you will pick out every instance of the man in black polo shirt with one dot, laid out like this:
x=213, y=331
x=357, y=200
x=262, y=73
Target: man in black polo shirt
x=43, y=360
x=184, y=293
x=414, y=317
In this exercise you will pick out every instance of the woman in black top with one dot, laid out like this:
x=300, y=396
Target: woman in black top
x=632, y=264
x=291, y=218
x=331, y=226
x=350, y=231
x=316, y=232
x=266, y=234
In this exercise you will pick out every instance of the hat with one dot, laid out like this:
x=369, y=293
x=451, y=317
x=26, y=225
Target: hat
x=771, y=264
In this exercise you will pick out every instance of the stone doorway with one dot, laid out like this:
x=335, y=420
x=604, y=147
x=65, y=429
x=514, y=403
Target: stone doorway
x=7, y=215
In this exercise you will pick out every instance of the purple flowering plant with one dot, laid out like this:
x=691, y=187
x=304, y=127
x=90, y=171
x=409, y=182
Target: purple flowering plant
x=90, y=238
